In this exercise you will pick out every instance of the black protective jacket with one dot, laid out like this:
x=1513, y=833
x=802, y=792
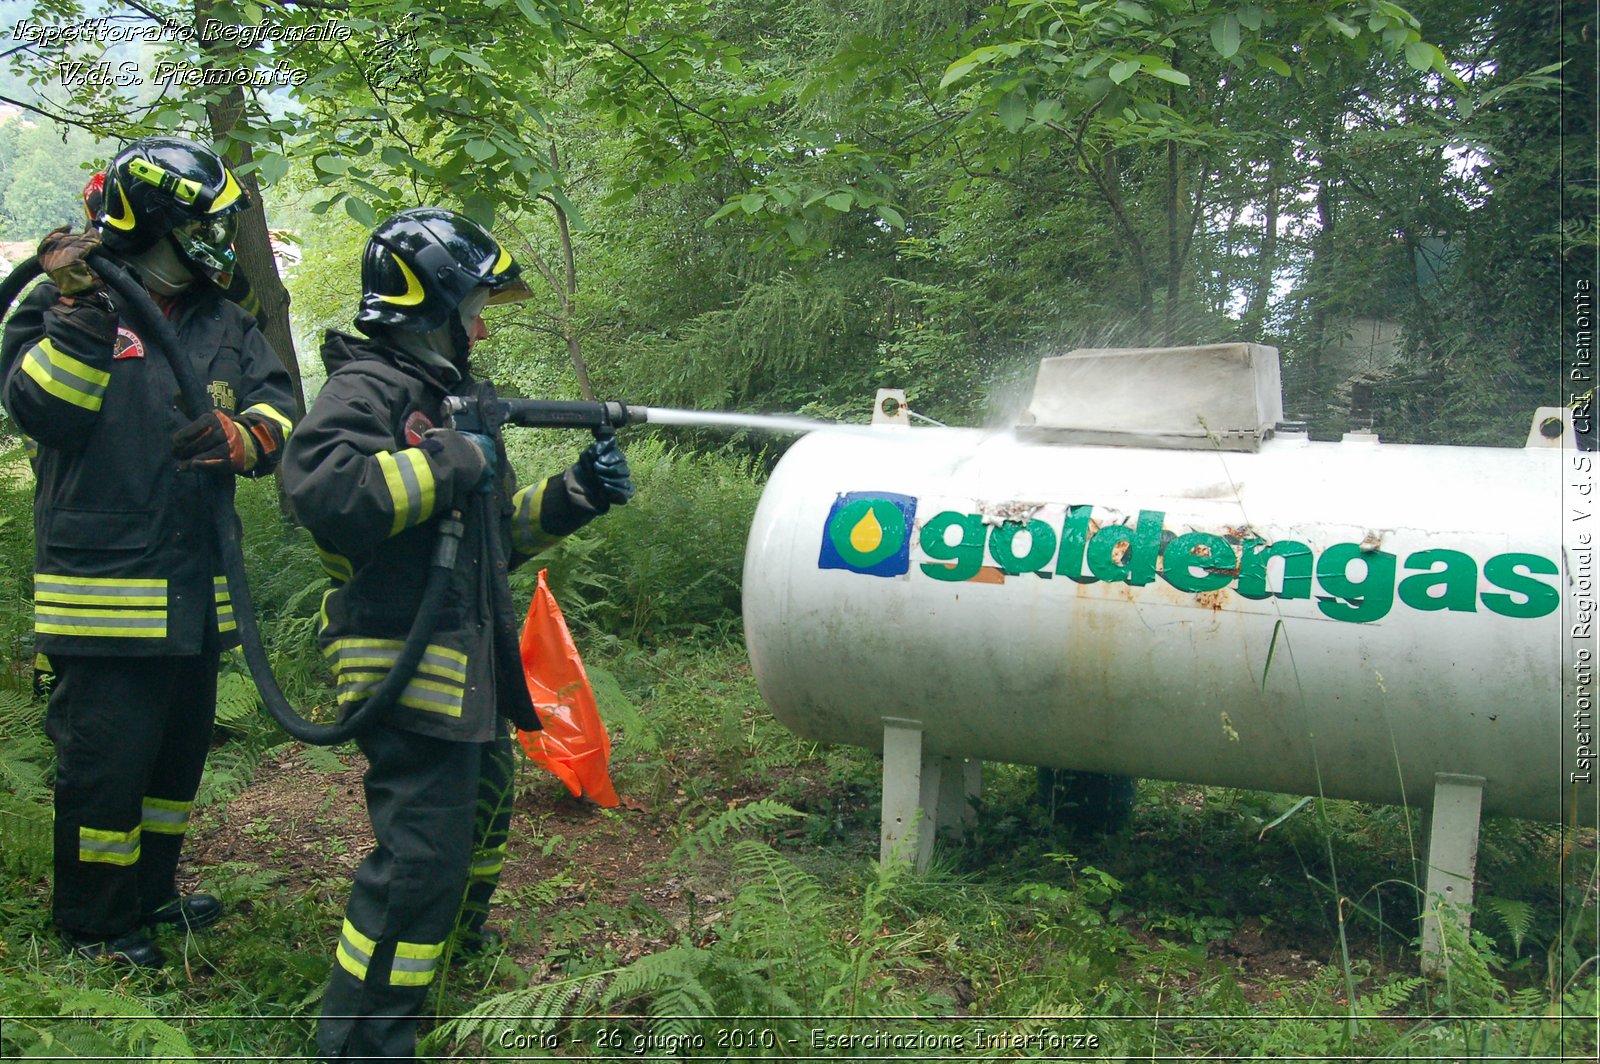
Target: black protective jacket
x=371, y=497
x=125, y=560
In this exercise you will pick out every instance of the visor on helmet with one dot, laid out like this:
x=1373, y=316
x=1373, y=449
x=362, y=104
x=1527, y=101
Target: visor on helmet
x=208, y=244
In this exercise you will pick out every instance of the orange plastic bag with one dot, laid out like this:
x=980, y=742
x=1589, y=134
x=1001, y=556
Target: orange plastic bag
x=573, y=744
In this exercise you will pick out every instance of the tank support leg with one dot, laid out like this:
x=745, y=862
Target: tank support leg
x=923, y=794
x=1452, y=861
x=902, y=791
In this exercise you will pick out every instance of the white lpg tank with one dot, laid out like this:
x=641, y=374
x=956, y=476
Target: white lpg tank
x=1183, y=594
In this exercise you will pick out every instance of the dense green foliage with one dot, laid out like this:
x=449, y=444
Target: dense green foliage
x=782, y=207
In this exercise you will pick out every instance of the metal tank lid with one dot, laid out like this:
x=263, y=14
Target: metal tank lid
x=1208, y=397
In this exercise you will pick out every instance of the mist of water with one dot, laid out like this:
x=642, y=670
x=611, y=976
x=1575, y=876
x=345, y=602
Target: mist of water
x=789, y=423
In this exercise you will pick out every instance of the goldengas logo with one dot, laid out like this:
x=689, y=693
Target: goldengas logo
x=869, y=532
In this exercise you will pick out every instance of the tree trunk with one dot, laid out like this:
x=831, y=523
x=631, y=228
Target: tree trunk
x=252, y=244
x=1255, y=314
x=568, y=294
x=1174, y=251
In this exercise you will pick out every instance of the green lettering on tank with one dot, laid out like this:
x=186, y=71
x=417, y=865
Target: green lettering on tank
x=1138, y=564
x=1041, y=547
x=1538, y=597
x=1367, y=599
x=1455, y=587
x=1074, y=539
x=1357, y=586
x=1199, y=561
x=1253, y=559
x=965, y=558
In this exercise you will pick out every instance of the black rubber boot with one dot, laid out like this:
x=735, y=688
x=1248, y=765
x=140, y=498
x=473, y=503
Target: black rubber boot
x=190, y=912
x=134, y=948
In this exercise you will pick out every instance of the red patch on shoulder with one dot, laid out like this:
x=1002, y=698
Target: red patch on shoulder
x=417, y=425
x=128, y=345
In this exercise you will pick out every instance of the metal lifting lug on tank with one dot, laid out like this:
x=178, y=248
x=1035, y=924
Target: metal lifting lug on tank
x=1150, y=575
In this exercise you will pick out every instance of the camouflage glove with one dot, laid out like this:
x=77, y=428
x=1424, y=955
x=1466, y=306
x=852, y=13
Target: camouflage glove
x=63, y=256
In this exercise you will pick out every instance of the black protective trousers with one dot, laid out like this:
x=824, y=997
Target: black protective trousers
x=131, y=736
x=440, y=812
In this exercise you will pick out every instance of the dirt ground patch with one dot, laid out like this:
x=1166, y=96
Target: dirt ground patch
x=303, y=817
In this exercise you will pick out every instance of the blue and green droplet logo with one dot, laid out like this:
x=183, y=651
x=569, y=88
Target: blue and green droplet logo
x=869, y=532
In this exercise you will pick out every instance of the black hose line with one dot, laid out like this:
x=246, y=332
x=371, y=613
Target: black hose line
x=152, y=324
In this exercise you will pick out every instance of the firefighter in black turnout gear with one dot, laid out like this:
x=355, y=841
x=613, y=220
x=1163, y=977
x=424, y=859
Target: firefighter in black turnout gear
x=129, y=602
x=371, y=472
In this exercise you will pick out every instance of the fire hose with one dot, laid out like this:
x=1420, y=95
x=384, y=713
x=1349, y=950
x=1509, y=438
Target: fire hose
x=488, y=413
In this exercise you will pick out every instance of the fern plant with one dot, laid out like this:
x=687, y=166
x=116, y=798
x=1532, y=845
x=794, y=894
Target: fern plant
x=25, y=762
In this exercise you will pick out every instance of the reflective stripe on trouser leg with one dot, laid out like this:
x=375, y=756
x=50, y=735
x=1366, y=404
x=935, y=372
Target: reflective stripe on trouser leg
x=106, y=717
x=421, y=796
x=176, y=771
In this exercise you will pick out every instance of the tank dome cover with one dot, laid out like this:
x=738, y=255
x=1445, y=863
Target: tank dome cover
x=1226, y=396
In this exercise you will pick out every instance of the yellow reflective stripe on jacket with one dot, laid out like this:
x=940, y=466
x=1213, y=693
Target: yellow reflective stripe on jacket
x=99, y=606
x=108, y=847
x=527, y=535
x=439, y=685
x=411, y=487
x=164, y=816
x=98, y=590
x=415, y=963
x=225, y=621
x=66, y=378
x=271, y=413
x=355, y=950
x=336, y=565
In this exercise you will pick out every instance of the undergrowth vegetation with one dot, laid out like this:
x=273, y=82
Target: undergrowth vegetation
x=1215, y=923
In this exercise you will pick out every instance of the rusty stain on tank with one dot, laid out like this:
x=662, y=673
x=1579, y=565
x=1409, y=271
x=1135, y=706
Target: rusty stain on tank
x=1213, y=600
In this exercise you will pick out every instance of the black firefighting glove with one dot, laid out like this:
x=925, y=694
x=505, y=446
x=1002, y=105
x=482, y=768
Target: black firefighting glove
x=214, y=442
x=63, y=255
x=603, y=471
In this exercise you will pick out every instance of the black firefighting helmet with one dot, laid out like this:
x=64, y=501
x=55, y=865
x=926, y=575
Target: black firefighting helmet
x=421, y=265
x=162, y=185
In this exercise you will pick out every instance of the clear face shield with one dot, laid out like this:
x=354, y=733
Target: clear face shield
x=208, y=244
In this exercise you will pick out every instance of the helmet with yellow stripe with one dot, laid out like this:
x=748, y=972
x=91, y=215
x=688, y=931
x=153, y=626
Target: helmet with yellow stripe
x=167, y=185
x=425, y=267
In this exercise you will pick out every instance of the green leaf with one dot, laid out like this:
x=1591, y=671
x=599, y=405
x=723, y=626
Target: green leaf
x=322, y=207
x=1250, y=17
x=796, y=231
x=973, y=59
x=272, y=167
x=532, y=13
x=1124, y=70
x=1177, y=77
x=361, y=211
x=481, y=150
x=891, y=216
x=1341, y=26
x=839, y=201
x=1273, y=62
x=570, y=209
x=1048, y=110
x=1014, y=111
x=1225, y=35
x=332, y=165
x=1420, y=55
